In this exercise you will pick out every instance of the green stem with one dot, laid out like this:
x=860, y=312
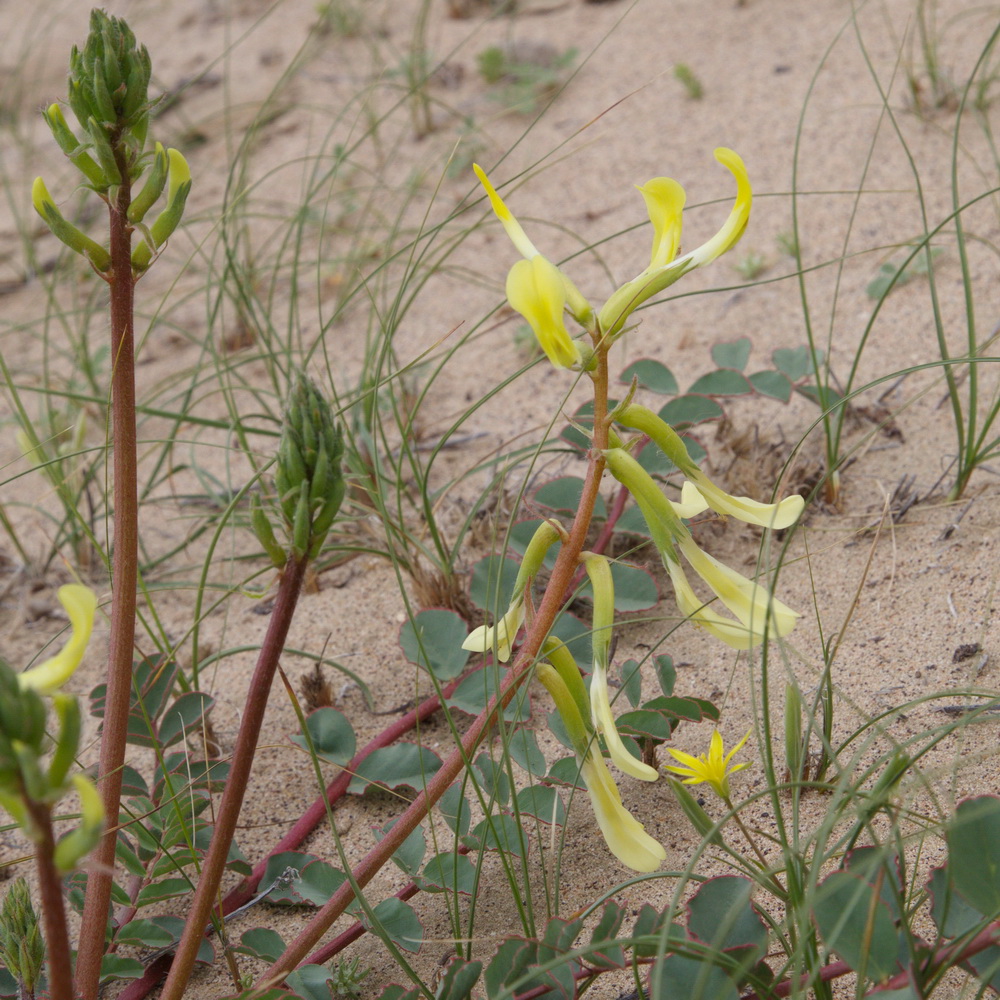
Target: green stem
x=206, y=895
x=53, y=906
x=545, y=617
x=124, y=578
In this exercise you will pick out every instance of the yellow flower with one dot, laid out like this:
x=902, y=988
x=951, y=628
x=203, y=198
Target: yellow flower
x=81, y=604
x=500, y=636
x=625, y=835
x=710, y=767
x=536, y=290
x=768, y=515
x=751, y=602
x=665, y=202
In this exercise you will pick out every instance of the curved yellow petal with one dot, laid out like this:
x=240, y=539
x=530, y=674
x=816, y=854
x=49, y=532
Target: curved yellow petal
x=665, y=203
x=535, y=288
x=654, y=280
x=604, y=723
x=750, y=601
x=499, y=637
x=782, y=514
x=732, y=633
x=625, y=835
x=734, y=227
x=81, y=604
x=513, y=228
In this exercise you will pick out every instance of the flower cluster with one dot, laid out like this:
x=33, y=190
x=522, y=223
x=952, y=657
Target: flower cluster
x=544, y=294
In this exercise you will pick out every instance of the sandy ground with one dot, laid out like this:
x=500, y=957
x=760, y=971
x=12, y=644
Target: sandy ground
x=780, y=78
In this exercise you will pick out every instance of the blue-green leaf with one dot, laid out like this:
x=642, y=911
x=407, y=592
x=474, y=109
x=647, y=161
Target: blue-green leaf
x=332, y=736
x=687, y=410
x=732, y=355
x=449, y=871
x=724, y=382
x=492, y=583
x=973, y=838
x=474, y=692
x=652, y=375
x=403, y=764
x=433, y=640
x=563, y=496
x=184, y=715
x=542, y=802
x=398, y=922
x=262, y=943
x=773, y=384
x=795, y=362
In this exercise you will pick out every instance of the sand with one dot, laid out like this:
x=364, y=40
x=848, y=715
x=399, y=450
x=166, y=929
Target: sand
x=893, y=574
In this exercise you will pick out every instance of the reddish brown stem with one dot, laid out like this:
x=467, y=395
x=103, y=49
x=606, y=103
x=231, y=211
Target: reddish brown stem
x=124, y=575
x=545, y=617
x=57, y=948
x=236, y=783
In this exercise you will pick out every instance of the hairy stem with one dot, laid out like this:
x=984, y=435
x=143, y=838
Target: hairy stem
x=545, y=617
x=53, y=906
x=239, y=775
x=124, y=575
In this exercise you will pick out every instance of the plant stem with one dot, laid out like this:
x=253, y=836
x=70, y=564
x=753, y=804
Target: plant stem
x=545, y=617
x=53, y=906
x=123, y=583
x=236, y=784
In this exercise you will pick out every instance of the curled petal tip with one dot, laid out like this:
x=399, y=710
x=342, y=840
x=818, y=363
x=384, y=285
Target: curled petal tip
x=81, y=605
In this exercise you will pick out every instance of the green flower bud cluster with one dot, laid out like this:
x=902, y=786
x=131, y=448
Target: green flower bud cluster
x=308, y=476
x=22, y=950
x=25, y=779
x=109, y=94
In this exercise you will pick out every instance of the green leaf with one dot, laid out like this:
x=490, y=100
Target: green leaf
x=659, y=717
x=143, y=934
x=410, y=854
x=648, y=923
x=575, y=635
x=632, y=681
x=607, y=953
x=655, y=462
x=724, y=382
x=184, y=715
x=262, y=943
x=542, y=802
x=973, y=839
x=773, y=384
x=634, y=588
x=398, y=922
x=317, y=882
x=856, y=924
x=475, y=691
x=795, y=362
x=563, y=496
x=733, y=355
x=632, y=522
x=492, y=583
x=495, y=782
x=167, y=888
x=312, y=982
x=652, y=375
x=523, y=747
x=500, y=833
x=666, y=673
x=117, y=967
x=508, y=966
x=455, y=810
x=403, y=764
x=449, y=871
x=954, y=918
x=458, y=980
x=331, y=734
x=433, y=640
x=720, y=914
x=276, y=865
x=153, y=680
x=687, y=410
